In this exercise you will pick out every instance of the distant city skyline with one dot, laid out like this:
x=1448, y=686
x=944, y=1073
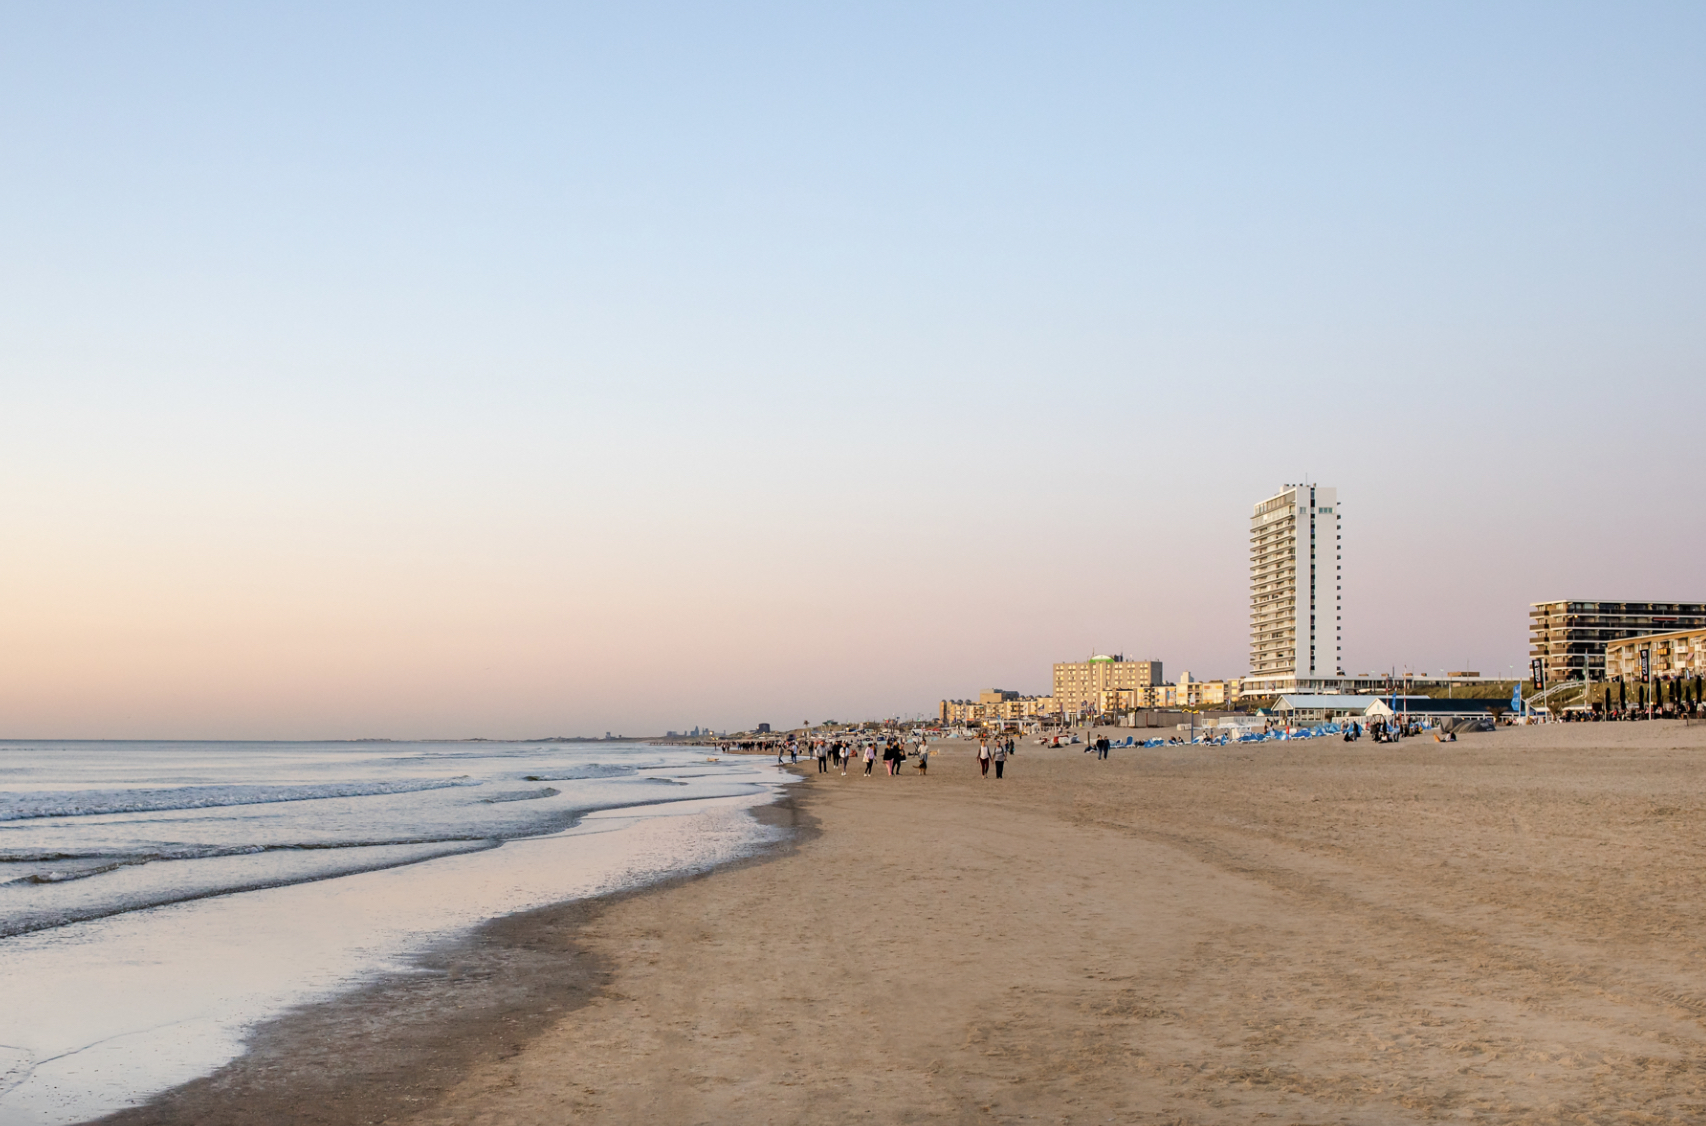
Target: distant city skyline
x=522, y=371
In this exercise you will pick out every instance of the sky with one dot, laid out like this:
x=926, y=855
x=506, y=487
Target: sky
x=512, y=370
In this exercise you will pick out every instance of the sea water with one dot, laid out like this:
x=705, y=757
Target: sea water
x=158, y=900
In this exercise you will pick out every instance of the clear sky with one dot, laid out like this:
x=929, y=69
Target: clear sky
x=507, y=369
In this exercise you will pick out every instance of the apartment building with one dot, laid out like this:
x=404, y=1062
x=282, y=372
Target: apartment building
x=1569, y=638
x=1669, y=655
x=1295, y=599
x=1104, y=684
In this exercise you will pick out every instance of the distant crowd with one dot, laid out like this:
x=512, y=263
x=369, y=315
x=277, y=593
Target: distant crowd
x=894, y=751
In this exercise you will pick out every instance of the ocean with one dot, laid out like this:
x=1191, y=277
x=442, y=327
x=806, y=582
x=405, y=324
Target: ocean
x=158, y=900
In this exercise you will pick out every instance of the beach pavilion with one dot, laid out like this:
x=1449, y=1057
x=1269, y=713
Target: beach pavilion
x=1303, y=710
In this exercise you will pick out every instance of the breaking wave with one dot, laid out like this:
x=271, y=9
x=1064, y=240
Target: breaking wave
x=21, y=806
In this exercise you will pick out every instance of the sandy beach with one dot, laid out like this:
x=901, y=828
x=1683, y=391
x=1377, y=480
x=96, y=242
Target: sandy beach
x=1508, y=929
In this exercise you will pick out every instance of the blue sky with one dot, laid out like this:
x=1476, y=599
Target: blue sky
x=426, y=369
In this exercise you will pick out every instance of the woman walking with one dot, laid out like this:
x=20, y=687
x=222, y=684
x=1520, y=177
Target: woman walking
x=870, y=757
x=983, y=758
x=1000, y=756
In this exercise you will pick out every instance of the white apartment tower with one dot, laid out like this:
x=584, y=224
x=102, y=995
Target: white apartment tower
x=1294, y=591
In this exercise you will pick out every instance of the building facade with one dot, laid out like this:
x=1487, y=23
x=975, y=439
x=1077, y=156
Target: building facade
x=1193, y=693
x=1669, y=655
x=1295, y=600
x=996, y=704
x=1569, y=638
x=1100, y=686
x=1104, y=684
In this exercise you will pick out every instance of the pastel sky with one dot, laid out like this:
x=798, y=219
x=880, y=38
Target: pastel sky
x=527, y=369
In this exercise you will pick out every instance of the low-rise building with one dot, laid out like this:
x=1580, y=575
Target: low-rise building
x=1029, y=707
x=1306, y=708
x=1669, y=655
x=993, y=705
x=1100, y=686
x=1301, y=710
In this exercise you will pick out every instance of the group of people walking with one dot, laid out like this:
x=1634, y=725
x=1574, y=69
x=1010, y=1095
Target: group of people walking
x=831, y=753
x=893, y=752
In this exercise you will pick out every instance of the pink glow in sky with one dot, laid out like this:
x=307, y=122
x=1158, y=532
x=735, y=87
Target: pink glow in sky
x=417, y=372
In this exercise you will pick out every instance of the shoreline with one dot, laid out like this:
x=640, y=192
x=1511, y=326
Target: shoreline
x=1499, y=928
x=401, y=1042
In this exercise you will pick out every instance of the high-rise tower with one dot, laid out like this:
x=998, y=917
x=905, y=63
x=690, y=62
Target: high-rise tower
x=1294, y=591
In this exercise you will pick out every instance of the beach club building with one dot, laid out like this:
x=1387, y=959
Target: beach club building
x=1301, y=710
x=1304, y=710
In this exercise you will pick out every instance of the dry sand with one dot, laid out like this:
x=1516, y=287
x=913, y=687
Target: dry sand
x=1509, y=928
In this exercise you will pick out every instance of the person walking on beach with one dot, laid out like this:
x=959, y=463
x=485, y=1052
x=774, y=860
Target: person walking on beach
x=983, y=758
x=823, y=758
x=870, y=758
x=923, y=757
x=1000, y=757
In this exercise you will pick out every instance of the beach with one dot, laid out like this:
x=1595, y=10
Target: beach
x=1508, y=928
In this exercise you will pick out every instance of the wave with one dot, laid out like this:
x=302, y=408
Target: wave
x=23, y=806
x=30, y=914
x=581, y=773
x=80, y=865
x=523, y=795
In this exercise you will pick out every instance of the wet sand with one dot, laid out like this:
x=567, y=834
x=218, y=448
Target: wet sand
x=1509, y=928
